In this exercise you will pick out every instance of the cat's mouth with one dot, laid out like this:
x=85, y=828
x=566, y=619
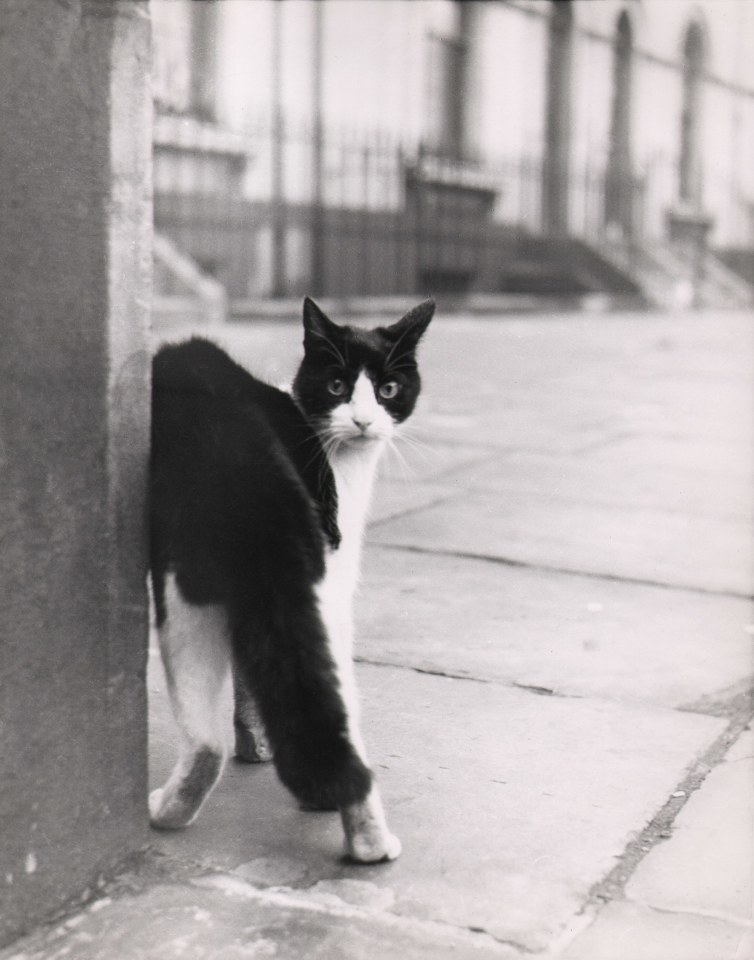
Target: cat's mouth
x=364, y=437
x=358, y=438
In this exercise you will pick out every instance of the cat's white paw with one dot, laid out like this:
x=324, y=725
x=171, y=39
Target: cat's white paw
x=178, y=802
x=372, y=849
x=155, y=803
x=165, y=814
x=393, y=847
x=368, y=839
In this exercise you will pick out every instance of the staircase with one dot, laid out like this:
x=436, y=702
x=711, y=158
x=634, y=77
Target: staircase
x=677, y=276
x=182, y=292
x=564, y=266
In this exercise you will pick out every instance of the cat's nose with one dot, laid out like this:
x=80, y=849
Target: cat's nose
x=363, y=423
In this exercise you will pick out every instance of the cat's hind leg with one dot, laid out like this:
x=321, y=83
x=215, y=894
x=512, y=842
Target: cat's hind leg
x=251, y=743
x=196, y=656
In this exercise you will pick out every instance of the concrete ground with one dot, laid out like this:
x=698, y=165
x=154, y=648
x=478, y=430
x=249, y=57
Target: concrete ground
x=555, y=642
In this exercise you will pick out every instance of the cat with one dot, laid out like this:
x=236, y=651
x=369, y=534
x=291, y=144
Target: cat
x=258, y=502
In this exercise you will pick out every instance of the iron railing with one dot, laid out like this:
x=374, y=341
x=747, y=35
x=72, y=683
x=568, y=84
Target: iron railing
x=335, y=213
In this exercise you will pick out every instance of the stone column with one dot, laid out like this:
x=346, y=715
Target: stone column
x=75, y=269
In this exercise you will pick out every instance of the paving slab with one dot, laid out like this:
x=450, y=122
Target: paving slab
x=568, y=534
x=708, y=869
x=507, y=819
x=705, y=480
x=554, y=384
x=412, y=477
x=396, y=499
x=219, y=916
x=629, y=931
x=569, y=634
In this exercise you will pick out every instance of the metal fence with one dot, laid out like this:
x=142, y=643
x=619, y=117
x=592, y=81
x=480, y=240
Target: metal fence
x=288, y=211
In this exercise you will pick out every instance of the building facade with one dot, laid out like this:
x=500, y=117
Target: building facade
x=622, y=126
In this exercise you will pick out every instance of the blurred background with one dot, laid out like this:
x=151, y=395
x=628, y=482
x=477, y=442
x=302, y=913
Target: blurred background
x=349, y=148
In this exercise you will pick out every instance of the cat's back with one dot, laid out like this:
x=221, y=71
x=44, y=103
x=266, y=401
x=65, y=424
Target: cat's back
x=201, y=397
x=201, y=373
x=233, y=458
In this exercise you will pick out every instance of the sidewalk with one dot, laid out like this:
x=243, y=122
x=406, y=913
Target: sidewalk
x=555, y=640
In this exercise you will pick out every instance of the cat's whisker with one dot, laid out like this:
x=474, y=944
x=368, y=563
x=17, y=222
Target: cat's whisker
x=318, y=454
x=389, y=362
x=319, y=457
x=331, y=443
x=406, y=472
x=403, y=362
x=413, y=436
x=332, y=349
x=422, y=449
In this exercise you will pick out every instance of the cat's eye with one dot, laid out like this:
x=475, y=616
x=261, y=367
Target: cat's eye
x=389, y=390
x=337, y=387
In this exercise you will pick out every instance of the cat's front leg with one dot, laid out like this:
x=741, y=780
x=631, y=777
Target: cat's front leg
x=368, y=839
x=367, y=836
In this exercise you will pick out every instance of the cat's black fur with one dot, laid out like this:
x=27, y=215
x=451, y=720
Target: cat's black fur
x=382, y=351
x=243, y=507
x=242, y=504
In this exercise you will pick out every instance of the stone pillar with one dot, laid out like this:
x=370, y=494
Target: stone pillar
x=688, y=230
x=75, y=267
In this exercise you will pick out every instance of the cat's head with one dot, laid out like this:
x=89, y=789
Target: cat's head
x=356, y=385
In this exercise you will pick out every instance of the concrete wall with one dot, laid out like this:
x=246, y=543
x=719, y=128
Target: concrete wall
x=75, y=216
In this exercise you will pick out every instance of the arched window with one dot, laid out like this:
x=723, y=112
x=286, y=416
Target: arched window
x=619, y=180
x=558, y=119
x=689, y=164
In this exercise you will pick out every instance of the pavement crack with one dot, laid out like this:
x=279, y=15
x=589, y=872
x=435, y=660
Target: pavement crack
x=501, y=941
x=534, y=688
x=429, y=671
x=721, y=916
x=660, y=827
x=426, y=505
x=564, y=571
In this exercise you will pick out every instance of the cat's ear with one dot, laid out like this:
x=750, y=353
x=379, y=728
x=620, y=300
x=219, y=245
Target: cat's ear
x=317, y=325
x=409, y=330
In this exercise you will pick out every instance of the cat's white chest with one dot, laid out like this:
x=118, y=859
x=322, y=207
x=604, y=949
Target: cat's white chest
x=354, y=475
x=354, y=471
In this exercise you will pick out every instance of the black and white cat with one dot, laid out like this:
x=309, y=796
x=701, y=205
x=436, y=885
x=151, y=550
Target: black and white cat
x=258, y=507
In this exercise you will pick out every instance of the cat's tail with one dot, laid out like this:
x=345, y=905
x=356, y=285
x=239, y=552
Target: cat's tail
x=285, y=661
